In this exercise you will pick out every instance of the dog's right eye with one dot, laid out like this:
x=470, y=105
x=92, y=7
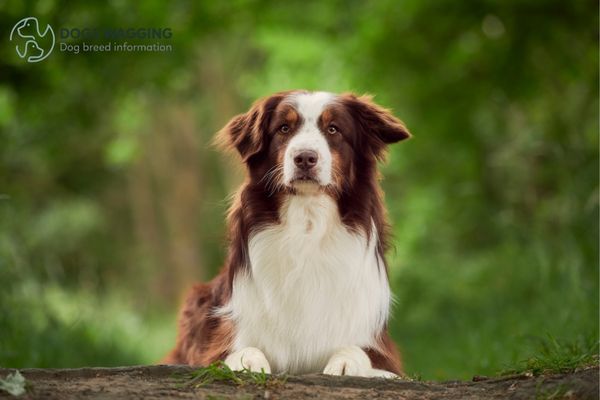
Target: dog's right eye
x=284, y=128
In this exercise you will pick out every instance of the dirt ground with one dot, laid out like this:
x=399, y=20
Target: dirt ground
x=153, y=382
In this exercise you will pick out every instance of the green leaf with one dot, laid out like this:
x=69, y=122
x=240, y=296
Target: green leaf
x=13, y=384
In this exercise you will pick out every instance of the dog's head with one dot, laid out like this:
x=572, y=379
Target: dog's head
x=308, y=142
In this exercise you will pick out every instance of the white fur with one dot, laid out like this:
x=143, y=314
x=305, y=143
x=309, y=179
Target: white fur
x=354, y=361
x=314, y=290
x=309, y=137
x=350, y=360
x=249, y=358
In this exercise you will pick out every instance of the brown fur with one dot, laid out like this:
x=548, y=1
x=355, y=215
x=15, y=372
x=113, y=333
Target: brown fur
x=366, y=129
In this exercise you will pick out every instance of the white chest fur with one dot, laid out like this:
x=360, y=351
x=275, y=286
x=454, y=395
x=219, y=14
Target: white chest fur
x=314, y=288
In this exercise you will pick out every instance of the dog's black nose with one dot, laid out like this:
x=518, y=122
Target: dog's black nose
x=306, y=159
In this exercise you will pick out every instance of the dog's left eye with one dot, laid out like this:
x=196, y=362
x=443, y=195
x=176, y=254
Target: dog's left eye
x=332, y=129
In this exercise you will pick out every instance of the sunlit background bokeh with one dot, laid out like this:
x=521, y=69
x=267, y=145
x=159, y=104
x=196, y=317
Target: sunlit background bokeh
x=112, y=200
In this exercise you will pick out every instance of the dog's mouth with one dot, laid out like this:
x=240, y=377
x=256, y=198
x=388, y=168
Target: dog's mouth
x=304, y=183
x=304, y=177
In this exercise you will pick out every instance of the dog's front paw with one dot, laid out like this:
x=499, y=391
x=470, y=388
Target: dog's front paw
x=381, y=373
x=249, y=358
x=349, y=361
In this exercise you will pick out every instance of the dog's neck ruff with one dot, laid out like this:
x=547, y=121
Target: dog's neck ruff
x=313, y=286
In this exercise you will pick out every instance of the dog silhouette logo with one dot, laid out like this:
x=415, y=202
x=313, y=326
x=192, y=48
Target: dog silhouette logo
x=31, y=44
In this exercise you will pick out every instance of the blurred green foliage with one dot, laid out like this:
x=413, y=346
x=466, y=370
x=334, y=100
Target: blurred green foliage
x=112, y=201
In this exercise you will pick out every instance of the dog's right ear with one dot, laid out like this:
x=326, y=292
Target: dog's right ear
x=248, y=133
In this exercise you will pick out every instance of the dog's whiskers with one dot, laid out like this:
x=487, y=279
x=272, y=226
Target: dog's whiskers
x=268, y=174
x=273, y=179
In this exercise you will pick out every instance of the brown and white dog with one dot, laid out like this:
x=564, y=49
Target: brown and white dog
x=304, y=287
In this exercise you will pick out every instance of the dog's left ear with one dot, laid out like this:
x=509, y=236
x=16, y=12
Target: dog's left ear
x=376, y=123
x=247, y=133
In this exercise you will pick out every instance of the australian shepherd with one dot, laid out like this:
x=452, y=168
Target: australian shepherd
x=304, y=288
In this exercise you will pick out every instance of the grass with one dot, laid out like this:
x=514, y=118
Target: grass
x=556, y=356
x=555, y=393
x=47, y=326
x=220, y=372
x=489, y=311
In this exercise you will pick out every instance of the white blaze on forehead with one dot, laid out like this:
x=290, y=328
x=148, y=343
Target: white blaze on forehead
x=310, y=106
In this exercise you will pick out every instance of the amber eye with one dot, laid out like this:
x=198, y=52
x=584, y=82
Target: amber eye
x=284, y=129
x=332, y=129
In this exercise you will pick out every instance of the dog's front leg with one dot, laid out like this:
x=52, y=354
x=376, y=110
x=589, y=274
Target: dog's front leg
x=353, y=361
x=249, y=358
